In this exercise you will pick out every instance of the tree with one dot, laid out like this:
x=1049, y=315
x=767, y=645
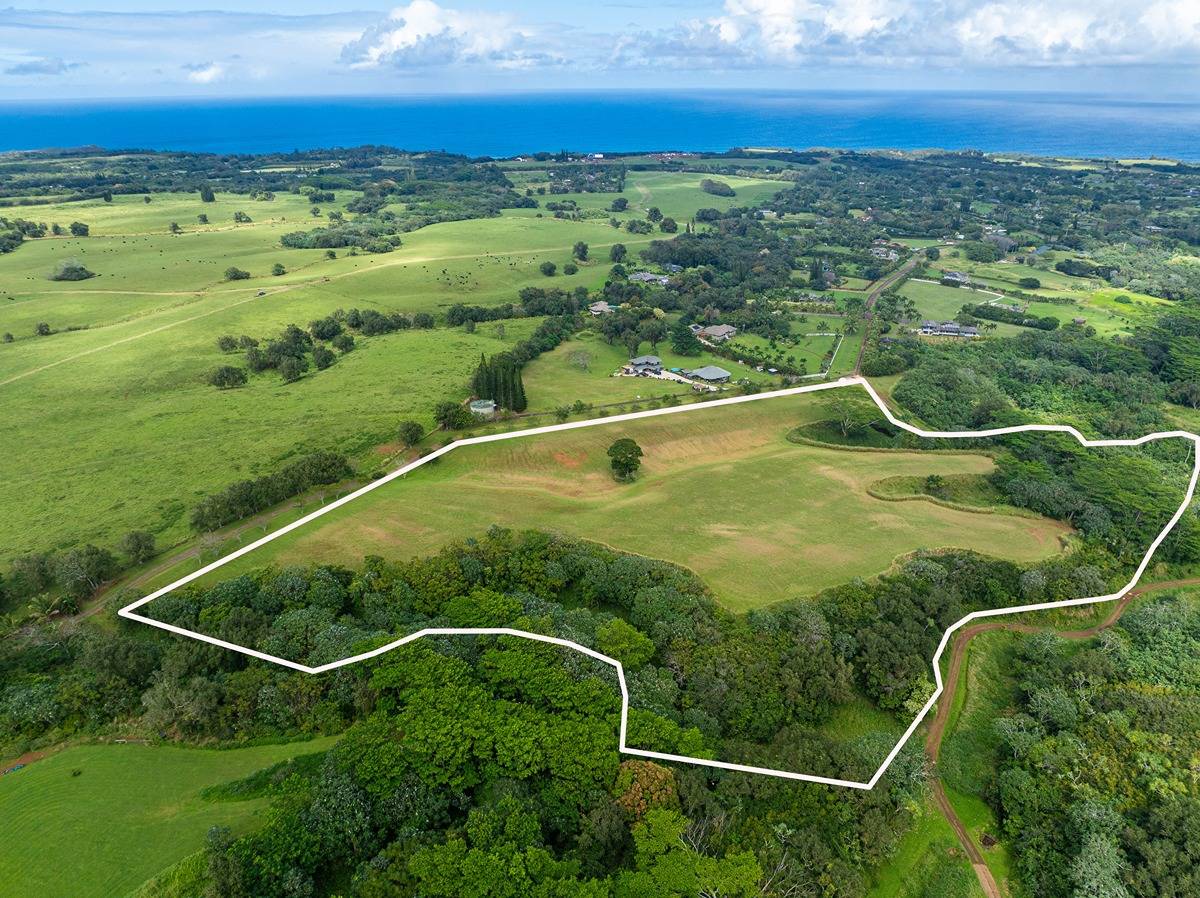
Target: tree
x=626, y=456
x=932, y=253
x=343, y=343
x=668, y=226
x=683, y=341
x=79, y=229
x=620, y=204
x=617, y=252
x=570, y=268
x=291, y=369
x=626, y=643
x=278, y=269
x=653, y=331
x=225, y=377
x=42, y=329
x=548, y=269
x=654, y=213
x=71, y=270
x=580, y=251
x=174, y=227
x=80, y=572
x=233, y=273
x=202, y=218
x=410, y=433
x=323, y=357
x=206, y=194
x=137, y=546
x=452, y=415
x=850, y=415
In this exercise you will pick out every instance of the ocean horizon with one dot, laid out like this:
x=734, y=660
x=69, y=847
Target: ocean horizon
x=1044, y=124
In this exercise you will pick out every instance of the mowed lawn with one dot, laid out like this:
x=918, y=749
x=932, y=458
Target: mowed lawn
x=721, y=492
x=131, y=811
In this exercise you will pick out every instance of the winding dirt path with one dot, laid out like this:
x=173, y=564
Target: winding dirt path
x=937, y=729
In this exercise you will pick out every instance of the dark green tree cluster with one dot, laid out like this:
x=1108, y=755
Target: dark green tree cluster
x=499, y=378
x=248, y=497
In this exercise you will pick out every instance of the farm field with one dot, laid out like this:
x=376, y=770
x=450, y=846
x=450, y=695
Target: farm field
x=722, y=492
x=941, y=303
x=131, y=348
x=131, y=811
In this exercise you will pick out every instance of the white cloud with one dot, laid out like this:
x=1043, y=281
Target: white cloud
x=424, y=34
x=204, y=72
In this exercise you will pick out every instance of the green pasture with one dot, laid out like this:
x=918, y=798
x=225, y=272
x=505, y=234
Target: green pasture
x=582, y=368
x=97, y=821
x=941, y=303
x=721, y=492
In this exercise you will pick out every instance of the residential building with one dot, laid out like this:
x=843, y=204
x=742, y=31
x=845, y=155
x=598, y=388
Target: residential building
x=718, y=333
x=711, y=373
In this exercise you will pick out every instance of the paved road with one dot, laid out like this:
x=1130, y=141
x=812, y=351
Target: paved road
x=933, y=739
x=890, y=281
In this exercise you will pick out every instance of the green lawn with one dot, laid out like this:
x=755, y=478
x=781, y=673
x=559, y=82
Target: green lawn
x=722, y=492
x=99, y=820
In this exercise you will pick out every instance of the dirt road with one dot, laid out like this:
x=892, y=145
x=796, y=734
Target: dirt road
x=890, y=281
x=937, y=730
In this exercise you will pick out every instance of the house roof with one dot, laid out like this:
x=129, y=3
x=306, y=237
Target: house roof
x=719, y=330
x=710, y=372
x=646, y=360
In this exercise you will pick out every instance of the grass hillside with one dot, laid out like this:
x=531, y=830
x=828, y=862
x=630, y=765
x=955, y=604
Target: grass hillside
x=721, y=492
x=96, y=821
x=118, y=429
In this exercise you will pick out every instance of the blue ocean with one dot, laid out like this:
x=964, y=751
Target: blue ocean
x=509, y=124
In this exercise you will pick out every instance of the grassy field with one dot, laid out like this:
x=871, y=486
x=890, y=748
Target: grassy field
x=722, y=492
x=97, y=821
x=927, y=863
x=118, y=431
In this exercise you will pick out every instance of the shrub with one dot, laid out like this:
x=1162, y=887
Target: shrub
x=233, y=273
x=71, y=270
x=570, y=268
x=548, y=269
x=226, y=377
x=278, y=269
x=291, y=369
x=410, y=433
x=226, y=343
x=343, y=343
x=1029, y=283
x=323, y=357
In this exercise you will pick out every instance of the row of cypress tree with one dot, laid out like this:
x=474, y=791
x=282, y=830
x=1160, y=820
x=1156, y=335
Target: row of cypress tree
x=499, y=378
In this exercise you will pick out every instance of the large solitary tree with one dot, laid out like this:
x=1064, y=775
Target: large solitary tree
x=626, y=458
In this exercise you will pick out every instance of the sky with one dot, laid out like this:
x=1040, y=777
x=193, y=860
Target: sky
x=169, y=48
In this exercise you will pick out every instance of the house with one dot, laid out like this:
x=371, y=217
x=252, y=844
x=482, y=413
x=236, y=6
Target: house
x=947, y=329
x=955, y=278
x=645, y=365
x=483, y=408
x=601, y=308
x=649, y=277
x=718, y=333
x=711, y=373
x=885, y=253
x=695, y=328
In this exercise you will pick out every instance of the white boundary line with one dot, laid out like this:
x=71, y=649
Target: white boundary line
x=129, y=610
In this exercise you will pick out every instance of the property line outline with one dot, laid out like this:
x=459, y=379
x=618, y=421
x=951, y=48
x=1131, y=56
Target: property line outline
x=129, y=611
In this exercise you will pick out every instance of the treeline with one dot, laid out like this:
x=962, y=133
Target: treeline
x=1091, y=780
x=372, y=235
x=1010, y=316
x=499, y=378
x=248, y=497
x=533, y=301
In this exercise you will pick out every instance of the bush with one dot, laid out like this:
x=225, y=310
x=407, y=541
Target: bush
x=343, y=343
x=79, y=229
x=548, y=269
x=226, y=377
x=410, y=433
x=291, y=369
x=570, y=268
x=251, y=496
x=226, y=343
x=323, y=357
x=137, y=546
x=1029, y=283
x=278, y=269
x=71, y=270
x=452, y=415
x=233, y=273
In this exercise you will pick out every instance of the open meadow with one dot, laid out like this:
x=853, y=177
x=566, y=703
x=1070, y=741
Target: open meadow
x=96, y=821
x=721, y=492
x=118, y=428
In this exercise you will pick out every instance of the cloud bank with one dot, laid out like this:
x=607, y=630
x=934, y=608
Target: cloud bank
x=456, y=45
